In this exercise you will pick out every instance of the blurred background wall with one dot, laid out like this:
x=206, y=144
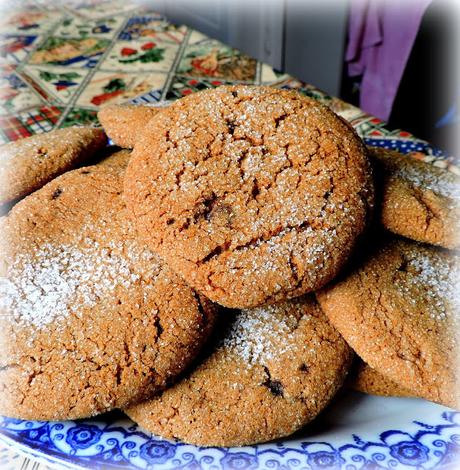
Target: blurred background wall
x=304, y=38
x=396, y=59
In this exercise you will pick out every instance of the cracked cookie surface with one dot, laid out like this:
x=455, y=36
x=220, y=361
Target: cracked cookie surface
x=90, y=319
x=252, y=194
x=270, y=371
x=399, y=311
x=419, y=200
x=28, y=164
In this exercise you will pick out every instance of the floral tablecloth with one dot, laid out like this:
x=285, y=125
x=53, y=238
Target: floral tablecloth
x=61, y=61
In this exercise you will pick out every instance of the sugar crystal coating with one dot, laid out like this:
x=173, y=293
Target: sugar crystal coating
x=418, y=200
x=258, y=335
x=269, y=372
x=27, y=164
x=252, y=194
x=399, y=310
x=46, y=286
x=89, y=317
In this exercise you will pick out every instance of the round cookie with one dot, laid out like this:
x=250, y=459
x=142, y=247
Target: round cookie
x=90, y=319
x=365, y=379
x=28, y=164
x=419, y=201
x=399, y=311
x=252, y=194
x=123, y=123
x=272, y=370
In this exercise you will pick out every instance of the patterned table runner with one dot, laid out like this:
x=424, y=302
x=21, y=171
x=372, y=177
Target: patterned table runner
x=60, y=63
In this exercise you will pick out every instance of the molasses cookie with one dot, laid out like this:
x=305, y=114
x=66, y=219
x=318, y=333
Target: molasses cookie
x=123, y=123
x=252, y=194
x=28, y=164
x=400, y=312
x=367, y=380
x=419, y=201
x=272, y=370
x=115, y=158
x=90, y=320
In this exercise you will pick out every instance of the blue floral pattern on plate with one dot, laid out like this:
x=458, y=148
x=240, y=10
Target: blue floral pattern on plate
x=113, y=442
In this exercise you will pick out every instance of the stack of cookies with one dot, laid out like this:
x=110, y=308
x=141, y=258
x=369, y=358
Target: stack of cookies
x=215, y=281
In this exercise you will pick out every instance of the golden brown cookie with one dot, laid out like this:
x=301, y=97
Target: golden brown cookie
x=123, y=123
x=252, y=194
x=367, y=380
x=272, y=370
x=419, y=201
x=400, y=312
x=28, y=164
x=114, y=158
x=90, y=320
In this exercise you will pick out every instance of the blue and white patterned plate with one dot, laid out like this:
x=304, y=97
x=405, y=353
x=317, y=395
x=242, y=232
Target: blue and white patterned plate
x=356, y=432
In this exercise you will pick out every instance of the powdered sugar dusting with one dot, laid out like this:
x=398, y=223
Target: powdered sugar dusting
x=55, y=280
x=259, y=335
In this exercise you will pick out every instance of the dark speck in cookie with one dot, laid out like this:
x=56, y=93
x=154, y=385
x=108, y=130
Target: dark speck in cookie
x=56, y=193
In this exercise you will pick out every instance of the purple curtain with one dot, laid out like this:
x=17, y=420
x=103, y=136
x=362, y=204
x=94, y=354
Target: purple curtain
x=381, y=34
